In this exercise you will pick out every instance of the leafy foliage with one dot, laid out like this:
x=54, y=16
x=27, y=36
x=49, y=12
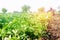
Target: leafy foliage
x=24, y=25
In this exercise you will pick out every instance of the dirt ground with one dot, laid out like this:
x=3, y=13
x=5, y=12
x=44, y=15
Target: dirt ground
x=54, y=28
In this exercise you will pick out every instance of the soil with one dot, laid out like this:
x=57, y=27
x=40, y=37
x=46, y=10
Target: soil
x=53, y=28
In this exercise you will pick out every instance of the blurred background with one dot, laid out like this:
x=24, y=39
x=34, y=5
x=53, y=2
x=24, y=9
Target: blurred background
x=15, y=5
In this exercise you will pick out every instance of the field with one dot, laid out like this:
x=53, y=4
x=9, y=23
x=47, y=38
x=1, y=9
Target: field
x=54, y=27
x=27, y=25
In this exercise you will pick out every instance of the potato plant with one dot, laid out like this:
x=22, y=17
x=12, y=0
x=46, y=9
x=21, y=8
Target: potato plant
x=23, y=26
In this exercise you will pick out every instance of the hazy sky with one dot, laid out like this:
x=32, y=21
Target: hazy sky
x=15, y=5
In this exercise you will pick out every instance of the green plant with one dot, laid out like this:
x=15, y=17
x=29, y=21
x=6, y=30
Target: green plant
x=22, y=26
